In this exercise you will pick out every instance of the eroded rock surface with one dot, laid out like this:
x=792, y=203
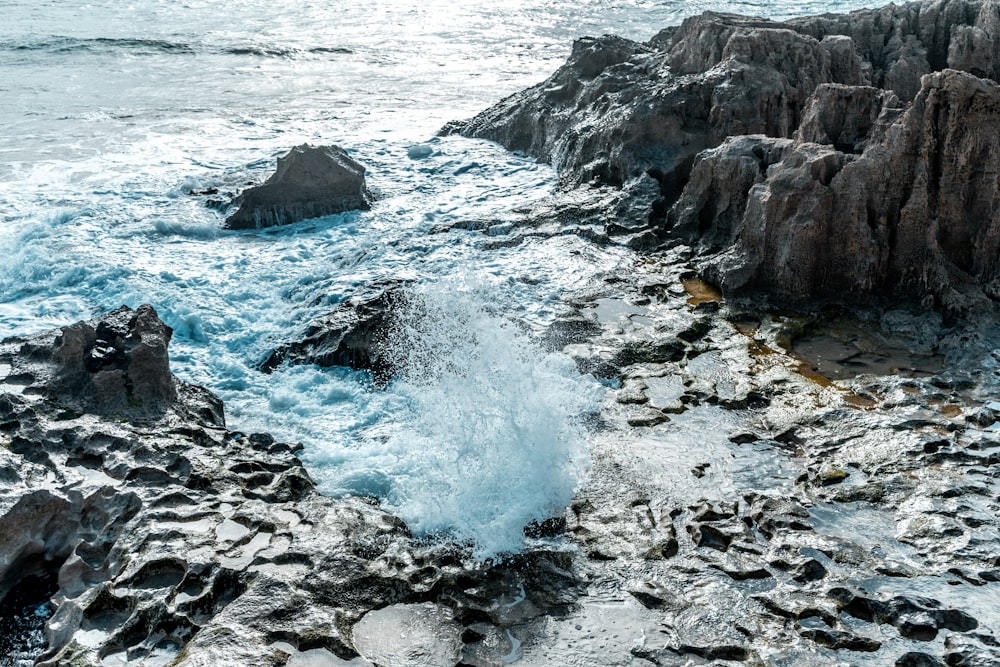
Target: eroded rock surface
x=168, y=539
x=310, y=182
x=913, y=215
x=824, y=156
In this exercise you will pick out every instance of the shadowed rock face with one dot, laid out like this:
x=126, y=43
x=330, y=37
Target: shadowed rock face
x=310, y=182
x=823, y=156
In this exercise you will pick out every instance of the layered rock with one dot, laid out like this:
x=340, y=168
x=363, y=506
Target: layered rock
x=310, y=182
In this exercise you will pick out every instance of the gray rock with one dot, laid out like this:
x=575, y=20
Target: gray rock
x=914, y=215
x=618, y=108
x=310, y=182
x=117, y=364
x=167, y=538
x=355, y=334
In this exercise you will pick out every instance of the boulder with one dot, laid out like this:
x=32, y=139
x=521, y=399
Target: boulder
x=310, y=182
x=354, y=334
x=116, y=364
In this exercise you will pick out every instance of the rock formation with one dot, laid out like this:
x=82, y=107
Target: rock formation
x=829, y=155
x=354, y=334
x=310, y=182
x=162, y=536
x=915, y=214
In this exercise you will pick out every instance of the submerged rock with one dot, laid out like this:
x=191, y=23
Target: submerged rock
x=310, y=182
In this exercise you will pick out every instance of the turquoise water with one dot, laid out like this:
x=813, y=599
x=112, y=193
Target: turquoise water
x=112, y=113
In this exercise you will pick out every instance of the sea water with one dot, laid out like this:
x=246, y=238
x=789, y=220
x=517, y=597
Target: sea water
x=112, y=113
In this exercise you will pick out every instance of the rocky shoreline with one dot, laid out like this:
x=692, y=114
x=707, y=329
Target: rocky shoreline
x=816, y=157
x=769, y=487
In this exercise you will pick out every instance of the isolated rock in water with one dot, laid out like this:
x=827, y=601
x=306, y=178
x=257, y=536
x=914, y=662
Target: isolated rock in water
x=916, y=214
x=352, y=335
x=310, y=182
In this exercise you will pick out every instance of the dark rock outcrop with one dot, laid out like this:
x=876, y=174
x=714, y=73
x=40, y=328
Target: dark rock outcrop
x=914, y=215
x=115, y=365
x=824, y=156
x=618, y=108
x=310, y=182
x=354, y=334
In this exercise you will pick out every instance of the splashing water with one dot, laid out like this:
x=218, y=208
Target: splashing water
x=488, y=433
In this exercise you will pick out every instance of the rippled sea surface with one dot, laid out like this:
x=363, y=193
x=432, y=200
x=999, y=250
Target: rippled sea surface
x=111, y=113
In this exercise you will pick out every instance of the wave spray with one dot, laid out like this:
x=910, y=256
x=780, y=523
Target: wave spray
x=492, y=433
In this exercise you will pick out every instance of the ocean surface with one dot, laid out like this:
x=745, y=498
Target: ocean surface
x=112, y=113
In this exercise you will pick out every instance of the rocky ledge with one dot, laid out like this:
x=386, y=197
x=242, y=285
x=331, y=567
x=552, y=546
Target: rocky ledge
x=833, y=156
x=136, y=529
x=744, y=508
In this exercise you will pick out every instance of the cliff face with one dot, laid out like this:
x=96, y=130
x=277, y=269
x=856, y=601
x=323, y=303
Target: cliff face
x=825, y=155
x=915, y=214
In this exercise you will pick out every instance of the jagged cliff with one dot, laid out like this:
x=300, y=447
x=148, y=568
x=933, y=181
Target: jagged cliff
x=831, y=155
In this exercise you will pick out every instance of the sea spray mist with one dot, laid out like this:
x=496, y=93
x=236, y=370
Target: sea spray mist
x=492, y=432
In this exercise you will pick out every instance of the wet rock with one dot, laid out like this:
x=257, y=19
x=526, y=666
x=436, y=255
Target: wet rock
x=310, y=182
x=966, y=651
x=774, y=515
x=569, y=330
x=355, y=334
x=399, y=635
x=838, y=639
x=916, y=659
x=711, y=536
x=653, y=595
x=809, y=570
x=708, y=633
x=164, y=537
